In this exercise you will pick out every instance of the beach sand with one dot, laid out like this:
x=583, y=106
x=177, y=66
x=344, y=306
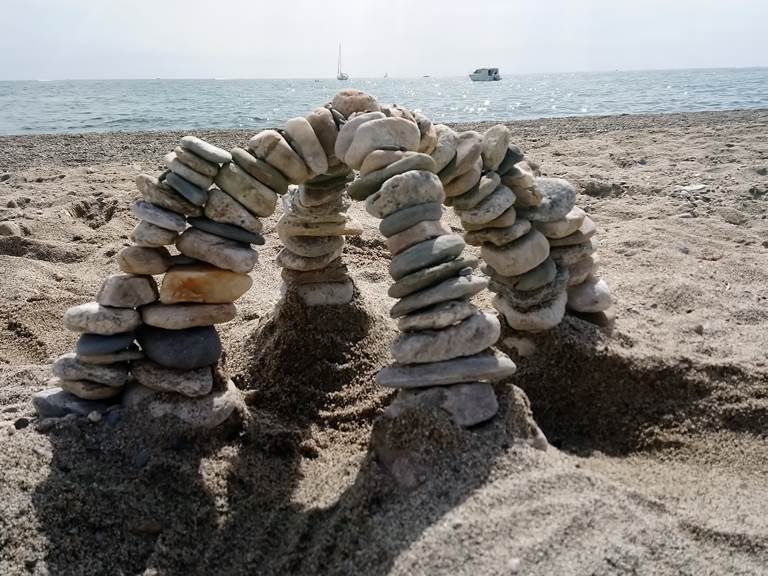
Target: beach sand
x=659, y=457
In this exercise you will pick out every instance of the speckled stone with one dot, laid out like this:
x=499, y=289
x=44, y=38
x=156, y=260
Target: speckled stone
x=498, y=236
x=94, y=318
x=437, y=316
x=138, y=260
x=221, y=207
x=363, y=187
x=158, y=216
x=68, y=367
x=558, y=198
x=160, y=194
x=404, y=190
x=191, y=383
x=182, y=316
x=127, y=291
x=88, y=390
x=426, y=277
x=468, y=404
x=517, y=257
x=147, y=235
x=255, y=196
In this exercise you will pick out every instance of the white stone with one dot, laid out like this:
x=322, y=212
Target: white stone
x=97, y=319
x=532, y=320
x=519, y=256
x=377, y=134
x=593, y=295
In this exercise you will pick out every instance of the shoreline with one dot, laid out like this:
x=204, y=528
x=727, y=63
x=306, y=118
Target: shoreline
x=145, y=145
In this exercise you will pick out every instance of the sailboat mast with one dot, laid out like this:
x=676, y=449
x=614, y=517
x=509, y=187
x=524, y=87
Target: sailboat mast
x=338, y=71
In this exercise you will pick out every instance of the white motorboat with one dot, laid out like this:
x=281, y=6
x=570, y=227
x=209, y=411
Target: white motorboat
x=485, y=75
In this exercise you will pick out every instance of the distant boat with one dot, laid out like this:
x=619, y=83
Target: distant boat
x=485, y=75
x=339, y=74
x=386, y=75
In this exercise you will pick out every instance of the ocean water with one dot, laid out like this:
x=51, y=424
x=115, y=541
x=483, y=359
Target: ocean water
x=28, y=107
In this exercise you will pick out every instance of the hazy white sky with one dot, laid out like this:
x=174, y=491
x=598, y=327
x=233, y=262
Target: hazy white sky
x=53, y=39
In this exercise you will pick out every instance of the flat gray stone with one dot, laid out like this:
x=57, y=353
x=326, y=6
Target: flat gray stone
x=191, y=383
x=558, y=199
x=437, y=317
x=465, y=182
x=326, y=131
x=197, y=163
x=98, y=344
x=468, y=337
x=121, y=356
x=591, y=296
x=426, y=277
x=204, y=413
x=523, y=299
x=488, y=183
x=186, y=349
x=336, y=271
x=87, y=390
x=496, y=142
x=331, y=211
x=425, y=230
x=273, y=148
x=312, y=246
x=147, y=235
x=193, y=193
x=363, y=187
x=182, y=316
x=97, y=319
x=158, y=216
x=408, y=217
x=220, y=252
x=455, y=288
x=325, y=294
x=127, y=291
x=533, y=319
x=68, y=367
x=187, y=173
x=56, y=403
x=540, y=276
x=468, y=404
x=569, y=255
x=428, y=134
x=293, y=261
x=221, y=207
x=484, y=367
x=404, y=190
x=247, y=190
x=205, y=150
x=160, y=194
x=263, y=171
x=426, y=254
x=498, y=236
x=138, y=260
x=490, y=208
x=445, y=148
x=226, y=231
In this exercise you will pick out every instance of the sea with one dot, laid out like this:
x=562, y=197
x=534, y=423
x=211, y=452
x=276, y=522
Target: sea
x=34, y=107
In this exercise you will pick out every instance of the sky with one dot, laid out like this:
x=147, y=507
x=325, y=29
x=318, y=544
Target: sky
x=74, y=39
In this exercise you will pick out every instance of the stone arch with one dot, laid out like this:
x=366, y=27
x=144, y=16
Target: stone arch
x=408, y=168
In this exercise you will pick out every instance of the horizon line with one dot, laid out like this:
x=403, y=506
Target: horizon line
x=368, y=78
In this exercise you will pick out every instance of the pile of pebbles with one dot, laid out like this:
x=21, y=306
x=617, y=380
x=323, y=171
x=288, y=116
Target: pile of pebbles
x=314, y=221
x=443, y=354
x=536, y=244
x=155, y=344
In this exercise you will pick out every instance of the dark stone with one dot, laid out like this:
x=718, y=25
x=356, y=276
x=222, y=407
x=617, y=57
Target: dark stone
x=181, y=349
x=512, y=157
x=229, y=231
x=194, y=194
x=96, y=344
x=56, y=403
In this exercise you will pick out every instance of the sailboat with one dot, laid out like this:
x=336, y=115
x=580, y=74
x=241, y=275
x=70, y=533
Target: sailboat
x=339, y=74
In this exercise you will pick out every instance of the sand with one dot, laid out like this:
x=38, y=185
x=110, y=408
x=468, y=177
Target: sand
x=659, y=458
